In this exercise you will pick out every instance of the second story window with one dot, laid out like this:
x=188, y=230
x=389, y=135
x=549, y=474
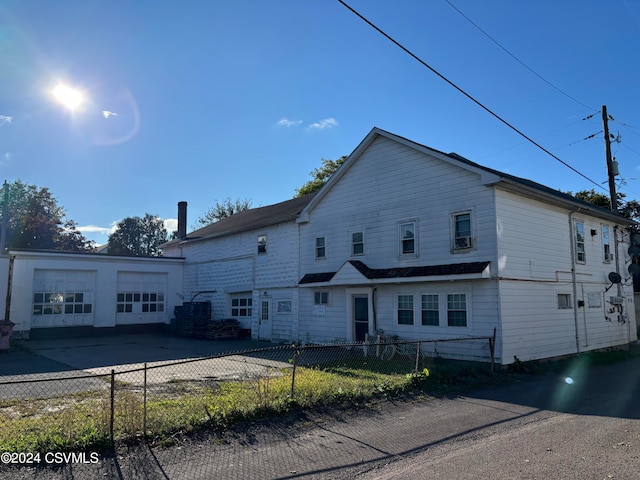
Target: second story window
x=462, y=231
x=408, y=238
x=606, y=245
x=581, y=256
x=262, y=244
x=321, y=249
x=357, y=243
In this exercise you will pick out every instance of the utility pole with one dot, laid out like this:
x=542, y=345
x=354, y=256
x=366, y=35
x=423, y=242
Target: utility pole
x=612, y=166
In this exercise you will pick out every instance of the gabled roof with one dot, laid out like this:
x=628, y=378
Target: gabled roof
x=488, y=177
x=248, y=220
x=397, y=274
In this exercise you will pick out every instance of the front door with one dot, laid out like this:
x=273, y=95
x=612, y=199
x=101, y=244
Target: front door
x=264, y=331
x=361, y=317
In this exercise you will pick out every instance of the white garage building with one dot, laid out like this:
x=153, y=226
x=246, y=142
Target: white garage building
x=91, y=293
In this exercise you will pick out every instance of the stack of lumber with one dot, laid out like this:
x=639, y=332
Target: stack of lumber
x=223, y=329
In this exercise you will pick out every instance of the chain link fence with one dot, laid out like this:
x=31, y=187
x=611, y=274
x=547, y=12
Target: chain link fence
x=96, y=407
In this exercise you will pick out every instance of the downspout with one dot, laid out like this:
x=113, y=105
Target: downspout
x=573, y=281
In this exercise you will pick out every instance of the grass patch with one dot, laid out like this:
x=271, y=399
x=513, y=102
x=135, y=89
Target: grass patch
x=82, y=421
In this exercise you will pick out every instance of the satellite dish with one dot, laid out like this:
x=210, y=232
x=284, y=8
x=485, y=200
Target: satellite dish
x=634, y=269
x=615, y=277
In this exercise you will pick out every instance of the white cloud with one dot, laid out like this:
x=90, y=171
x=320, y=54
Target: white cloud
x=5, y=119
x=107, y=114
x=285, y=122
x=96, y=229
x=171, y=224
x=324, y=124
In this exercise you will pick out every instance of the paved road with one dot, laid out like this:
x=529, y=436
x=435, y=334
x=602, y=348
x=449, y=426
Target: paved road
x=540, y=428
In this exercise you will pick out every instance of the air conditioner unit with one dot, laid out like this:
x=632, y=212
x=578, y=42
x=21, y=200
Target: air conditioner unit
x=608, y=257
x=463, y=242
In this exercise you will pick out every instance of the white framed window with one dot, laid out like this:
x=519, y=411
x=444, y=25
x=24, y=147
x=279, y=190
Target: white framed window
x=405, y=309
x=564, y=301
x=284, y=306
x=606, y=245
x=457, y=309
x=357, y=243
x=408, y=238
x=140, y=302
x=594, y=300
x=321, y=248
x=581, y=256
x=50, y=303
x=321, y=297
x=461, y=225
x=431, y=310
x=241, y=305
x=262, y=244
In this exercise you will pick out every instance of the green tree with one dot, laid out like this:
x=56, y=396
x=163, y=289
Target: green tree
x=320, y=176
x=221, y=210
x=627, y=208
x=33, y=219
x=140, y=237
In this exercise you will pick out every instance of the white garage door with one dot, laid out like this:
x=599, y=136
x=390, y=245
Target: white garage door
x=141, y=298
x=63, y=298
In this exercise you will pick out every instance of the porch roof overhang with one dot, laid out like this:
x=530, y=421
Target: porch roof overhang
x=355, y=272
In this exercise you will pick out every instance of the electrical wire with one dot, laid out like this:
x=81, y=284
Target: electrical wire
x=477, y=102
x=516, y=58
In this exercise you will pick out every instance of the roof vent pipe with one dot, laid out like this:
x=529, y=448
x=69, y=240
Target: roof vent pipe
x=182, y=219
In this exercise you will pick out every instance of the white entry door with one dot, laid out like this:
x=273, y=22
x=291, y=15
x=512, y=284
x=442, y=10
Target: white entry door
x=264, y=330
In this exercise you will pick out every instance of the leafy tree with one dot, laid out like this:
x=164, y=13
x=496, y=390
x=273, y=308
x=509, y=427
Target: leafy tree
x=320, y=176
x=223, y=209
x=33, y=219
x=629, y=209
x=140, y=237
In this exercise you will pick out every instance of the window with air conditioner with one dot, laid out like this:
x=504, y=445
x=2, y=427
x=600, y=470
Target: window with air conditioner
x=606, y=244
x=462, y=237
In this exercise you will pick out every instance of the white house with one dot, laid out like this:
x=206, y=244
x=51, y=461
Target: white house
x=89, y=293
x=419, y=244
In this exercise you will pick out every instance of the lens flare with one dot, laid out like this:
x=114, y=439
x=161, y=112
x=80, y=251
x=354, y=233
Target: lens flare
x=568, y=380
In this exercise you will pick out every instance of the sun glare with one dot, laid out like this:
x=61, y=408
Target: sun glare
x=69, y=97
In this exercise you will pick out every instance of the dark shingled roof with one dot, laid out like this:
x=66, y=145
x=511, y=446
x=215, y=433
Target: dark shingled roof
x=251, y=219
x=403, y=272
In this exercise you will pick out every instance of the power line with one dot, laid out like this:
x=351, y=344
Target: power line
x=486, y=109
x=516, y=58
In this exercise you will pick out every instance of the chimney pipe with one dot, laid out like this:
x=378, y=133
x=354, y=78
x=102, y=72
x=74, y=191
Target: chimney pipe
x=182, y=219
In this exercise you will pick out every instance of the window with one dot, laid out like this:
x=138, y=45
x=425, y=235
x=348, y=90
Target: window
x=357, y=243
x=580, y=252
x=321, y=298
x=405, y=309
x=606, y=245
x=457, y=310
x=321, y=249
x=49, y=303
x=564, y=300
x=140, y=302
x=430, y=310
x=241, y=306
x=284, y=306
x=408, y=238
x=462, y=231
x=262, y=244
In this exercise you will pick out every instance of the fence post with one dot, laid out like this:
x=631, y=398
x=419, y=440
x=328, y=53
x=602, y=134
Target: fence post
x=144, y=404
x=293, y=375
x=492, y=349
x=113, y=396
x=417, y=357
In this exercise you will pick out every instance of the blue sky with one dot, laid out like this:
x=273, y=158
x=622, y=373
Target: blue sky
x=203, y=100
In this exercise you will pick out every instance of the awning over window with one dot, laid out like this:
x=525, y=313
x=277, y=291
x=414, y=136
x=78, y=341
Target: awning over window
x=355, y=272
